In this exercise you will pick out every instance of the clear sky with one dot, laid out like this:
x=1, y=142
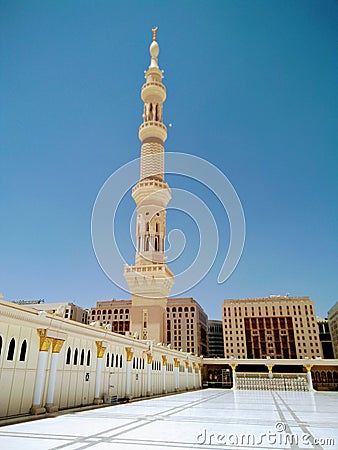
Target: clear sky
x=252, y=88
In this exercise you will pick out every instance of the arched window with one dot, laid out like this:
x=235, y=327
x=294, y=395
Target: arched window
x=156, y=244
x=121, y=311
x=23, y=350
x=133, y=363
x=69, y=354
x=107, y=360
x=186, y=309
x=0, y=345
x=11, y=349
x=115, y=311
x=112, y=360
x=93, y=311
x=120, y=361
x=104, y=312
x=109, y=311
x=75, y=356
x=192, y=308
x=157, y=227
x=82, y=357
x=127, y=311
x=179, y=309
x=116, y=360
x=147, y=244
x=88, y=358
x=147, y=227
x=174, y=309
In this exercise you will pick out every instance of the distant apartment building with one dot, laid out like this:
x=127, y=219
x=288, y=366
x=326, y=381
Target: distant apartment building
x=187, y=326
x=333, y=325
x=215, y=339
x=115, y=313
x=275, y=326
x=62, y=309
x=186, y=322
x=325, y=338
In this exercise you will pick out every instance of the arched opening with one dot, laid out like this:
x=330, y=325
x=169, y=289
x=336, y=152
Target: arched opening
x=88, y=358
x=68, y=356
x=23, y=350
x=107, y=360
x=82, y=357
x=11, y=349
x=75, y=356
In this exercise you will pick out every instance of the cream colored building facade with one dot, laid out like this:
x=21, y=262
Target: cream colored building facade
x=48, y=362
x=276, y=327
x=333, y=325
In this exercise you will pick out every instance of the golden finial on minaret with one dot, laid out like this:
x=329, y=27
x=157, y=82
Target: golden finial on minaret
x=154, y=30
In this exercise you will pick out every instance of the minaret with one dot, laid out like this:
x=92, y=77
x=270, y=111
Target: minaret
x=150, y=280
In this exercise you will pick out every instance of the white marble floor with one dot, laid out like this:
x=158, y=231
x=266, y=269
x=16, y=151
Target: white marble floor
x=209, y=419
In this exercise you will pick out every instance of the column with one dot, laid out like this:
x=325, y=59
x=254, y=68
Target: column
x=309, y=377
x=234, y=376
x=186, y=375
x=199, y=375
x=194, y=375
x=56, y=347
x=270, y=371
x=100, y=349
x=129, y=353
x=45, y=343
x=164, y=372
x=149, y=368
x=176, y=373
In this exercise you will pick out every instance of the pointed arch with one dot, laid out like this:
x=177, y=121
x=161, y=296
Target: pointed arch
x=68, y=356
x=11, y=350
x=82, y=357
x=76, y=353
x=23, y=350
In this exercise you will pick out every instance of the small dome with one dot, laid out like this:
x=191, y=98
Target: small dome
x=154, y=49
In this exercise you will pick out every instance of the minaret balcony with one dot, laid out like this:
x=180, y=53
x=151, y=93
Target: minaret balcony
x=152, y=128
x=152, y=192
x=152, y=91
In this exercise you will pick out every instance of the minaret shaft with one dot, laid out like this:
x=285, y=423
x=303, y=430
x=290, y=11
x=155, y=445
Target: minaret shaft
x=150, y=280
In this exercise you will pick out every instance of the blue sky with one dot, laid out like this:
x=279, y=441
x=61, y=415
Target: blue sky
x=251, y=88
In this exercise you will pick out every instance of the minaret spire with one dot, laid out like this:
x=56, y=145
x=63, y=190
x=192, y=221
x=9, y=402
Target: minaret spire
x=150, y=280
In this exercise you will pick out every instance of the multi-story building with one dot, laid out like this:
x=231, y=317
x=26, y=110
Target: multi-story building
x=114, y=314
x=187, y=326
x=215, y=339
x=325, y=337
x=275, y=326
x=63, y=309
x=333, y=325
x=186, y=322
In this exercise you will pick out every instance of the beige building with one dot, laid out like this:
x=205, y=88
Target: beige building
x=62, y=309
x=114, y=314
x=187, y=326
x=333, y=325
x=48, y=363
x=186, y=322
x=275, y=327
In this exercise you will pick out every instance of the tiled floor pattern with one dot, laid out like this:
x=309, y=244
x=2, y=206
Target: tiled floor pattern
x=207, y=419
